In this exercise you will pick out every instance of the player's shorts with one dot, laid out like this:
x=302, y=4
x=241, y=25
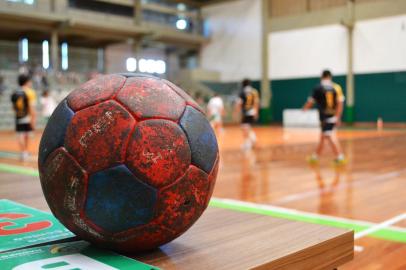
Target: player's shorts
x=328, y=125
x=23, y=127
x=248, y=119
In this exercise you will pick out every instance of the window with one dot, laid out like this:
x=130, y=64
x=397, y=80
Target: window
x=160, y=67
x=23, y=46
x=64, y=56
x=28, y=2
x=45, y=54
x=152, y=66
x=131, y=64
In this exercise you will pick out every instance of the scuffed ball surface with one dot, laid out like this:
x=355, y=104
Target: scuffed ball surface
x=128, y=162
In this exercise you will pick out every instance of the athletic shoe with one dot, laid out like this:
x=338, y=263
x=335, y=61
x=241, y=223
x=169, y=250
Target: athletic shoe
x=313, y=159
x=340, y=161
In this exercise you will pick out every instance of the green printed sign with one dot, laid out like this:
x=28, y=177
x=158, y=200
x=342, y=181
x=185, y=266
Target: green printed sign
x=23, y=226
x=68, y=256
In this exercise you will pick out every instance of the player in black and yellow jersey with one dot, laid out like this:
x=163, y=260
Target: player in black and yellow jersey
x=24, y=99
x=249, y=106
x=329, y=99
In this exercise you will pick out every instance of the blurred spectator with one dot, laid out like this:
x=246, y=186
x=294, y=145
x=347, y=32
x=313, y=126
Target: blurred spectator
x=48, y=104
x=24, y=99
x=215, y=112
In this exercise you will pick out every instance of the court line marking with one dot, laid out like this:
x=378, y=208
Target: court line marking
x=388, y=233
x=380, y=226
x=14, y=155
x=18, y=169
x=341, y=186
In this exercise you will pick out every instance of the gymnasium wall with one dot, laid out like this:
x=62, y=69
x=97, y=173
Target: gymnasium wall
x=234, y=49
x=297, y=58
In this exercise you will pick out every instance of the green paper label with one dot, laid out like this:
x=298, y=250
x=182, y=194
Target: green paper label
x=68, y=256
x=23, y=226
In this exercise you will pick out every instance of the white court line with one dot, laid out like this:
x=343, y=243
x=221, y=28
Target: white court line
x=284, y=210
x=341, y=186
x=380, y=226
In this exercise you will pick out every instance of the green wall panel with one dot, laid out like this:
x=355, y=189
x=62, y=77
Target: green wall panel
x=380, y=95
x=293, y=93
x=376, y=95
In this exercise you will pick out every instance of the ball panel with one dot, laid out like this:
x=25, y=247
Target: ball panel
x=55, y=130
x=98, y=135
x=151, y=98
x=202, y=140
x=189, y=100
x=158, y=152
x=182, y=203
x=64, y=184
x=212, y=180
x=142, y=238
x=95, y=91
x=117, y=201
x=179, y=206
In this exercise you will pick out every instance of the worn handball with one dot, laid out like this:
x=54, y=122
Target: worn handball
x=128, y=162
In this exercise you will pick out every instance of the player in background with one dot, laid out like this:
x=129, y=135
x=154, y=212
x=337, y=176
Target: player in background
x=48, y=104
x=329, y=99
x=24, y=99
x=215, y=112
x=248, y=103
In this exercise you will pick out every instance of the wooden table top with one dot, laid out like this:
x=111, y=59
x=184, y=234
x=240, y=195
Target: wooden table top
x=226, y=239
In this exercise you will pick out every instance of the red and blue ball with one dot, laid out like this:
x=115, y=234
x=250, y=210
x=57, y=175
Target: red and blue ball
x=128, y=162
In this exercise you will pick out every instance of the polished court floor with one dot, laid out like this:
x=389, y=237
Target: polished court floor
x=370, y=188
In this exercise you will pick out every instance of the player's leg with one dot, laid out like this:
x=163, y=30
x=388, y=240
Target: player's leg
x=334, y=143
x=20, y=140
x=217, y=125
x=314, y=158
x=26, y=141
x=252, y=136
x=320, y=145
x=246, y=131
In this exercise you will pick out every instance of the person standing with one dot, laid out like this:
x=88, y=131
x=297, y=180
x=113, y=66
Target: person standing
x=215, y=111
x=329, y=99
x=48, y=104
x=24, y=100
x=248, y=103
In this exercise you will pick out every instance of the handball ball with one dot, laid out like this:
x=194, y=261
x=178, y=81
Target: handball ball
x=128, y=162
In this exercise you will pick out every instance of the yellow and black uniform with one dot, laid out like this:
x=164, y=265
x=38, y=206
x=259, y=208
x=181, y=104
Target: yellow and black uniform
x=23, y=100
x=327, y=95
x=249, y=98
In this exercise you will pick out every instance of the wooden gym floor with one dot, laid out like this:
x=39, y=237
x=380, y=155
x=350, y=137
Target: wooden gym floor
x=370, y=188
